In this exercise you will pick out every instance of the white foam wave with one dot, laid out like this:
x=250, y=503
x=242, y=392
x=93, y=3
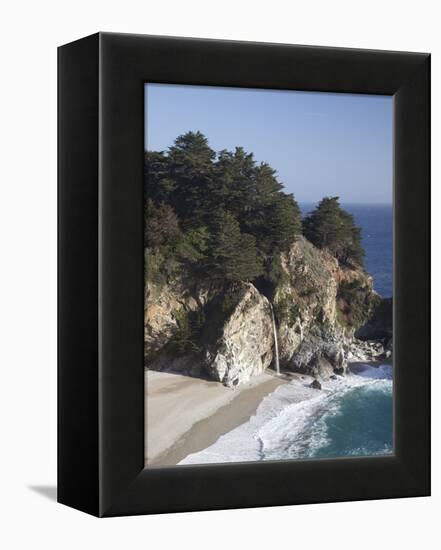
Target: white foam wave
x=290, y=414
x=380, y=372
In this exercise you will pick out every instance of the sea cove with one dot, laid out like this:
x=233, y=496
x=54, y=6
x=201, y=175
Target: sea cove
x=268, y=315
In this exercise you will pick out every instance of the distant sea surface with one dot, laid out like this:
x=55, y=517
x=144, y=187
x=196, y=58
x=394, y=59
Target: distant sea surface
x=376, y=222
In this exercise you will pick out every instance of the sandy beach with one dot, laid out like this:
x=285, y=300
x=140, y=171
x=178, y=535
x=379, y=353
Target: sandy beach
x=184, y=415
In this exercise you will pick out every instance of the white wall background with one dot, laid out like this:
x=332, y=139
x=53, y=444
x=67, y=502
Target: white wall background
x=30, y=33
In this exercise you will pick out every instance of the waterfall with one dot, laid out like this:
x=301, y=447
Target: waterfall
x=276, y=343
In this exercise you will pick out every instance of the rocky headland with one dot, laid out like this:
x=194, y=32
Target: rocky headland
x=326, y=316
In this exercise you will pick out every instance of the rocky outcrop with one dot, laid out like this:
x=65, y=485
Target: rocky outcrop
x=320, y=304
x=368, y=350
x=305, y=297
x=318, y=357
x=244, y=346
x=315, y=385
x=379, y=326
x=164, y=303
x=234, y=342
x=225, y=331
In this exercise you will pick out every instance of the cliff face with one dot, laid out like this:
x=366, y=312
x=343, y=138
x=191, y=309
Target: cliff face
x=244, y=344
x=225, y=331
x=228, y=332
x=320, y=304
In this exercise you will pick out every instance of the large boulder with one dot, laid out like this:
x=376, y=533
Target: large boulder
x=315, y=384
x=319, y=357
x=243, y=346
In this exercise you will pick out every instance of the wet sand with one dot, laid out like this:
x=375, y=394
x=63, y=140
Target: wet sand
x=184, y=415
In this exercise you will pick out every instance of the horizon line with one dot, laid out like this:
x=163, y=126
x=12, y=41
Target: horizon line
x=346, y=202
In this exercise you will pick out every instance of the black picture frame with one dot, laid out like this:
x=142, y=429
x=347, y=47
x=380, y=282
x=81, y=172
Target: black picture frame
x=101, y=287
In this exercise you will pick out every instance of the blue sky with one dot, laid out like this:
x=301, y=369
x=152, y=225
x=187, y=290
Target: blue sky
x=321, y=144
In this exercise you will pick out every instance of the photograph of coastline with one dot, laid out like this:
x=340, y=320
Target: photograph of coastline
x=268, y=275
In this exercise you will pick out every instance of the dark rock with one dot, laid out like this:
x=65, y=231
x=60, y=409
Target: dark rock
x=379, y=326
x=315, y=384
x=318, y=357
x=338, y=370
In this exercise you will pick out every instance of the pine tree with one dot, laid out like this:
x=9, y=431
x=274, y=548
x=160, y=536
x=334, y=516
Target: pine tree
x=191, y=168
x=332, y=228
x=234, y=254
x=231, y=213
x=159, y=186
x=233, y=187
x=269, y=214
x=161, y=225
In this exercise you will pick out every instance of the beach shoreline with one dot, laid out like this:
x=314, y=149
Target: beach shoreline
x=184, y=415
x=292, y=422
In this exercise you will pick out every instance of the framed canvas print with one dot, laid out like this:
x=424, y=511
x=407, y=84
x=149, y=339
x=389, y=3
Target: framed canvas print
x=244, y=274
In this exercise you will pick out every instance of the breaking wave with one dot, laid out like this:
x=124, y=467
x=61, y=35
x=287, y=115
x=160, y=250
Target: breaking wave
x=351, y=416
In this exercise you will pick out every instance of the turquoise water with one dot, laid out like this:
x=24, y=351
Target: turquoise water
x=363, y=424
x=358, y=422
x=352, y=416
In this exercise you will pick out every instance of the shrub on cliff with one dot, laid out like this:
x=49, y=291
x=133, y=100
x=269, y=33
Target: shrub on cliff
x=161, y=225
x=355, y=303
x=286, y=309
x=185, y=339
x=332, y=228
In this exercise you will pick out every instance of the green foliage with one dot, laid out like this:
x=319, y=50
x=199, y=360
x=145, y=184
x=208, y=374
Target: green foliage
x=159, y=186
x=274, y=273
x=161, y=266
x=193, y=245
x=223, y=216
x=229, y=301
x=227, y=217
x=332, y=228
x=355, y=303
x=234, y=254
x=305, y=289
x=161, y=225
x=153, y=260
x=342, y=318
x=186, y=337
x=286, y=309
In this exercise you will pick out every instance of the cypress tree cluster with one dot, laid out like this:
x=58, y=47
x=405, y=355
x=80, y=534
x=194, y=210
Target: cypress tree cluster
x=220, y=215
x=332, y=228
x=225, y=216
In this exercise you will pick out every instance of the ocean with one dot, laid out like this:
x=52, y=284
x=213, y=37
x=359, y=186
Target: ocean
x=351, y=416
